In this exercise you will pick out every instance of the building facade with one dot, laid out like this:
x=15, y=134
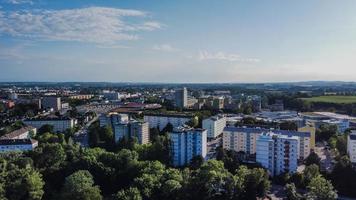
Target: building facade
x=59, y=125
x=214, y=125
x=18, y=145
x=245, y=139
x=132, y=129
x=351, y=146
x=278, y=153
x=186, y=143
x=161, y=120
x=181, y=98
x=51, y=102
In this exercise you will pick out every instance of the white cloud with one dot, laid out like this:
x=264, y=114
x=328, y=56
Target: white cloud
x=19, y=1
x=93, y=24
x=164, y=47
x=205, y=55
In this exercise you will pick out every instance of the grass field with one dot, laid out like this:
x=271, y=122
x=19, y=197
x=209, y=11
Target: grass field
x=332, y=99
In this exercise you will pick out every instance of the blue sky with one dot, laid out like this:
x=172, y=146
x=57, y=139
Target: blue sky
x=177, y=41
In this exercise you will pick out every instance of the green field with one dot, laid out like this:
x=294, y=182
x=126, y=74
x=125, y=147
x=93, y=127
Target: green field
x=332, y=99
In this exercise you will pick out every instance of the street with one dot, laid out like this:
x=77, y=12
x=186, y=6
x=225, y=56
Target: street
x=325, y=155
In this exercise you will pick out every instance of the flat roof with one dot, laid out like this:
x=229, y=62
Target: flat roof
x=262, y=130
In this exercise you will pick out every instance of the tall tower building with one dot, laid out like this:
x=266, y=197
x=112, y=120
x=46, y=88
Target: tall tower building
x=181, y=98
x=186, y=144
x=277, y=153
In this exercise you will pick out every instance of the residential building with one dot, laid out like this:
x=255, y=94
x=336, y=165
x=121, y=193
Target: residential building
x=59, y=124
x=218, y=103
x=112, y=118
x=22, y=133
x=18, y=145
x=81, y=96
x=351, y=146
x=245, y=139
x=186, y=143
x=13, y=96
x=132, y=129
x=51, y=102
x=214, y=125
x=112, y=96
x=312, y=131
x=141, y=131
x=161, y=120
x=278, y=153
x=181, y=98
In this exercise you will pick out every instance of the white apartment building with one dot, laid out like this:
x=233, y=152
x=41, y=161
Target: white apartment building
x=245, y=139
x=278, y=153
x=161, y=120
x=139, y=130
x=351, y=146
x=18, y=145
x=59, y=125
x=214, y=125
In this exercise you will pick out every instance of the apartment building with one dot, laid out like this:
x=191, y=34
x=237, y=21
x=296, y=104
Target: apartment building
x=59, y=124
x=112, y=118
x=278, y=153
x=181, y=98
x=17, y=145
x=351, y=146
x=51, y=102
x=132, y=128
x=245, y=139
x=186, y=143
x=214, y=125
x=161, y=120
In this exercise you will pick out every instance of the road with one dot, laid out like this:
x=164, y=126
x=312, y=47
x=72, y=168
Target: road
x=211, y=147
x=81, y=136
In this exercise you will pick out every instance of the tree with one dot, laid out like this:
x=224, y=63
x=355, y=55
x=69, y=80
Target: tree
x=49, y=157
x=131, y=193
x=291, y=192
x=168, y=128
x=313, y=158
x=341, y=144
x=45, y=129
x=257, y=183
x=24, y=184
x=325, y=132
x=194, y=122
x=212, y=180
x=196, y=162
x=321, y=189
x=288, y=125
x=80, y=186
x=310, y=172
x=343, y=177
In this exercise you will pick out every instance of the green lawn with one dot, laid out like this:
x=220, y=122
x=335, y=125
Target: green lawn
x=332, y=99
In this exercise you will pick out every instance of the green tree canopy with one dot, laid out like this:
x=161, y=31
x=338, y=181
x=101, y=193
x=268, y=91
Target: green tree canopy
x=80, y=186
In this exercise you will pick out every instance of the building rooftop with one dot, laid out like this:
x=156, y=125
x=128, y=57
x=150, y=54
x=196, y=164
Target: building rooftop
x=262, y=130
x=184, y=129
x=177, y=115
x=17, y=132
